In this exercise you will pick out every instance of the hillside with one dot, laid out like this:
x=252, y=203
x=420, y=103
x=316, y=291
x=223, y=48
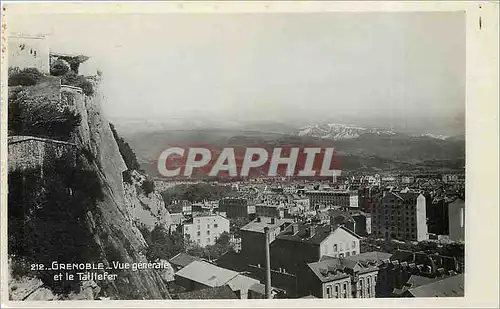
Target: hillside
x=80, y=208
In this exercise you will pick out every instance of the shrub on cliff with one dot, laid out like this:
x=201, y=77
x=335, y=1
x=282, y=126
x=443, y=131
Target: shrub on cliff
x=126, y=151
x=47, y=217
x=148, y=186
x=59, y=67
x=25, y=77
x=42, y=119
x=73, y=79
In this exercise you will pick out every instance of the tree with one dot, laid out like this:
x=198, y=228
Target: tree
x=148, y=186
x=25, y=77
x=162, y=244
x=126, y=151
x=59, y=67
x=236, y=224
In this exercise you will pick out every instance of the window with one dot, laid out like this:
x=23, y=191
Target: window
x=328, y=292
x=348, y=254
x=216, y=225
x=208, y=232
x=198, y=240
x=198, y=227
x=353, y=253
x=354, y=245
x=362, y=286
x=335, y=248
x=341, y=255
x=208, y=240
x=198, y=233
x=208, y=226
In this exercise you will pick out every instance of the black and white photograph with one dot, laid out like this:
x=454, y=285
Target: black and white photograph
x=316, y=155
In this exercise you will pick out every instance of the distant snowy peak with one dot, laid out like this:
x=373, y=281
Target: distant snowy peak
x=339, y=131
x=436, y=136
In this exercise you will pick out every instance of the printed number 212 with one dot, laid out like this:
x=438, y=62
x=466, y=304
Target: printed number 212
x=37, y=267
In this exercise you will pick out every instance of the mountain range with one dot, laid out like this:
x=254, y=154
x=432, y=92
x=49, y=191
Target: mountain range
x=357, y=148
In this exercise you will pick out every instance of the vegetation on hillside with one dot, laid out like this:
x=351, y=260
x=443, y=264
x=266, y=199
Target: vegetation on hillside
x=196, y=192
x=25, y=77
x=47, y=219
x=73, y=79
x=43, y=119
x=164, y=244
x=126, y=151
x=148, y=186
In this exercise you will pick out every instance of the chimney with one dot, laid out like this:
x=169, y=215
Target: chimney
x=268, y=264
x=312, y=230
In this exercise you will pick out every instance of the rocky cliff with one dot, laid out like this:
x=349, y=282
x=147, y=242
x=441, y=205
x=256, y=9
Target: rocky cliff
x=115, y=220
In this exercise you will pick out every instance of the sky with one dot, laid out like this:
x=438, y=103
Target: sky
x=309, y=67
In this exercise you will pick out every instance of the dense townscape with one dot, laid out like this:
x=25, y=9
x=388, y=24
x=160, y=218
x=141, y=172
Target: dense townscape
x=354, y=236
x=93, y=217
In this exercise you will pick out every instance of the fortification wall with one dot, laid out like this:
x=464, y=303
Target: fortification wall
x=74, y=98
x=27, y=152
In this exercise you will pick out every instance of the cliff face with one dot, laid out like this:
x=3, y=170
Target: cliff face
x=114, y=222
x=146, y=210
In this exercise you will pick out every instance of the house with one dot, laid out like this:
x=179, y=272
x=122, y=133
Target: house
x=176, y=221
x=181, y=260
x=413, y=282
x=253, y=237
x=219, y=292
x=394, y=273
x=236, y=207
x=270, y=210
x=339, y=278
x=456, y=219
x=200, y=275
x=302, y=243
x=448, y=287
x=204, y=229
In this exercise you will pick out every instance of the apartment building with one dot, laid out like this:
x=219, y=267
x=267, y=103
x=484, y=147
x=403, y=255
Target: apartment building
x=349, y=277
x=400, y=215
x=204, y=229
x=302, y=243
x=236, y=208
x=270, y=210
